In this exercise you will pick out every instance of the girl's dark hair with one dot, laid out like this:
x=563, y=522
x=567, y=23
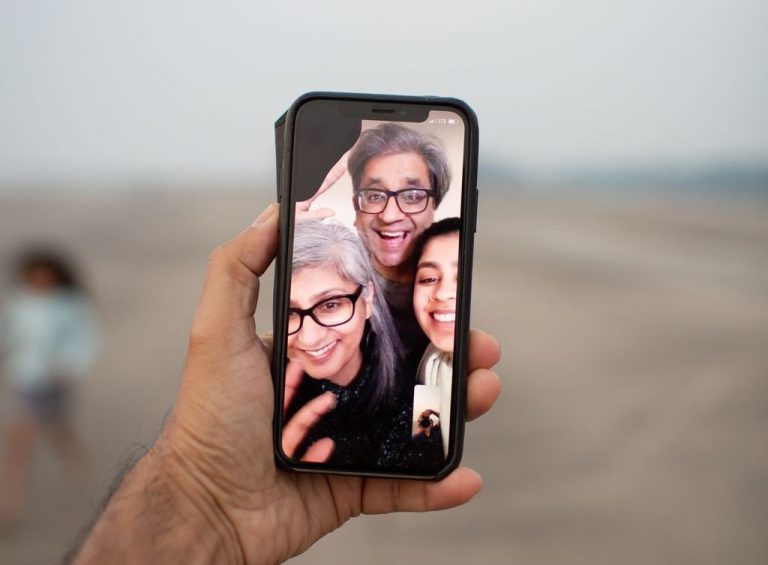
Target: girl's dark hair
x=443, y=227
x=63, y=269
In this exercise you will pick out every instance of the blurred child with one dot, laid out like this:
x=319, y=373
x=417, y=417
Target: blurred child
x=47, y=341
x=434, y=302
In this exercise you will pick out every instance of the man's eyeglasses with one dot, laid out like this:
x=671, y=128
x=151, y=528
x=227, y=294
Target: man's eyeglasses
x=329, y=312
x=409, y=200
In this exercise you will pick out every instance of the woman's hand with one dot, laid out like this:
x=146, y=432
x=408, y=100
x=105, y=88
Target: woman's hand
x=305, y=418
x=209, y=488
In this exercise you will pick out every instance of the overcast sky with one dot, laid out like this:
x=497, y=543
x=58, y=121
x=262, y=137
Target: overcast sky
x=173, y=90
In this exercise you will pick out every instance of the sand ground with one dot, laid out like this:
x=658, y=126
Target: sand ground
x=631, y=427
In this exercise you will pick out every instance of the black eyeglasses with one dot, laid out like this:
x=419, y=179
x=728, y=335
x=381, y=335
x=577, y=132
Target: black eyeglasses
x=329, y=312
x=409, y=200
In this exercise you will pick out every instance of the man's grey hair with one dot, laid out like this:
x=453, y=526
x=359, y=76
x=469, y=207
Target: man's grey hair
x=333, y=245
x=389, y=139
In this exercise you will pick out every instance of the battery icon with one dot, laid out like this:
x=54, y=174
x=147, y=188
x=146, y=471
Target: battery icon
x=451, y=121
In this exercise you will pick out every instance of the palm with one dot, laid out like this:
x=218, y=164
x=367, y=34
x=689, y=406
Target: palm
x=239, y=404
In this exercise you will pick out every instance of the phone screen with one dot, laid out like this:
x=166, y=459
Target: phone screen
x=373, y=289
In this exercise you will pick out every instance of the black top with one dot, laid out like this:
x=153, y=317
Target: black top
x=368, y=435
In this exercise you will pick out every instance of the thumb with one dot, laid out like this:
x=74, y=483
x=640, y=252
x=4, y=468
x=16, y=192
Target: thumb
x=230, y=292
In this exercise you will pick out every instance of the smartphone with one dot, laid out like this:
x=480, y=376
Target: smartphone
x=378, y=206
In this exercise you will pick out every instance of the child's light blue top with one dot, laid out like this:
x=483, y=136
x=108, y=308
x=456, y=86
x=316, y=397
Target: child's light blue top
x=46, y=337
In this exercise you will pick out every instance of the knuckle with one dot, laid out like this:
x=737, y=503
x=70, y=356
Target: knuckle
x=198, y=337
x=218, y=255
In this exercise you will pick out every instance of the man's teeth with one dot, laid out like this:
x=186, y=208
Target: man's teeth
x=392, y=234
x=320, y=352
x=440, y=317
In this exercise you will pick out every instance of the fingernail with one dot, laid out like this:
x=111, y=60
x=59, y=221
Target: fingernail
x=265, y=215
x=477, y=478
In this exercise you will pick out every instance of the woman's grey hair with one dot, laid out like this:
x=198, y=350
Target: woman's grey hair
x=388, y=139
x=333, y=245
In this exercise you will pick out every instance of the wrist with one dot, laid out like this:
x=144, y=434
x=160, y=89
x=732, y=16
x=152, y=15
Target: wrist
x=163, y=514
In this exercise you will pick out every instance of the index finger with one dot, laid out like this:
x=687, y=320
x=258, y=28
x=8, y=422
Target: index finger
x=336, y=172
x=293, y=374
x=484, y=351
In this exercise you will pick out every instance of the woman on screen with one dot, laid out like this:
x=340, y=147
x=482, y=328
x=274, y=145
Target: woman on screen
x=342, y=352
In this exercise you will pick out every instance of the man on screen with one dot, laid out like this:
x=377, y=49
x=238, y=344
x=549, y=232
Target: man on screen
x=399, y=177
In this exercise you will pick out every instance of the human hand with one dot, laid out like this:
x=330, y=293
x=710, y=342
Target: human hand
x=303, y=211
x=305, y=418
x=215, y=458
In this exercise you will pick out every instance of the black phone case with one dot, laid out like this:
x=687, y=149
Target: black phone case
x=284, y=133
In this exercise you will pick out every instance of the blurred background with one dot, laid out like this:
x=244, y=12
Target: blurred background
x=622, y=247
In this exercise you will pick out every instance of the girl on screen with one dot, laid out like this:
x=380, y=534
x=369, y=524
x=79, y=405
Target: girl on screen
x=434, y=303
